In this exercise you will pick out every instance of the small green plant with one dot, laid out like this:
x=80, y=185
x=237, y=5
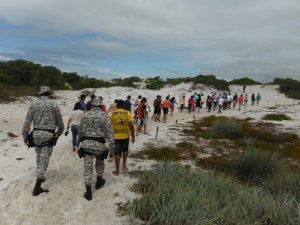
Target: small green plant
x=277, y=117
x=254, y=165
x=226, y=129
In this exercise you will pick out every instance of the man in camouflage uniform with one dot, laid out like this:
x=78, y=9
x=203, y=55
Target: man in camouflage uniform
x=46, y=118
x=93, y=131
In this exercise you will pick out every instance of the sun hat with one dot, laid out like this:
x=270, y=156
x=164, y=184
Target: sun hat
x=45, y=89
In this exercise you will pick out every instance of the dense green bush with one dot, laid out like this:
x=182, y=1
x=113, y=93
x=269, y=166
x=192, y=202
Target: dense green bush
x=176, y=195
x=254, y=165
x=244, y=81
x=128, y=82
x=276, y=116
x=211, y=80
x=289, y=86
x=155, y=83
x=176, y=81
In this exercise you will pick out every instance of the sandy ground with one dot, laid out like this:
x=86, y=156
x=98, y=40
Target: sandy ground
x=64, y=204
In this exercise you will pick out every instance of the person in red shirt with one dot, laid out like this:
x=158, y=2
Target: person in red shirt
x=191, y=103
x=241, y=102
x=142, y=121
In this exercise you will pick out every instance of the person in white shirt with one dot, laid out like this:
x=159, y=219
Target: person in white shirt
x=220, y=101
x=75, y=117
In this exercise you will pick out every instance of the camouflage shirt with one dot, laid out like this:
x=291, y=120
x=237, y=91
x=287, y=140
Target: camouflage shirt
x=44, y=114
x=96, y=124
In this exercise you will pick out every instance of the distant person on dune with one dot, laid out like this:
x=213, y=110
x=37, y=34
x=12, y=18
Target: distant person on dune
x=252, y=99
x=166, y=105
x=172, y=105
x=241, y=102
x=258, y=98
x=142, y=120
x=182, y=103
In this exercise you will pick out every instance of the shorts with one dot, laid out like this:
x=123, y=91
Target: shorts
x=165, y=110
x=121, y=145
x=142, y=122
x=157, y=110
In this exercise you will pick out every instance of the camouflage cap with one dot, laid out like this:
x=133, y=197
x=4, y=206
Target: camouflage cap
x=45, y=89
x=97, y=101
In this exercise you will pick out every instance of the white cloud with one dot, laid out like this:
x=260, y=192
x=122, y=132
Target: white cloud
x=212, y=35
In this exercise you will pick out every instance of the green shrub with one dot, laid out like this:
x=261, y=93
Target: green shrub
x=244, y=81
x=276, y=116
x=226, y=129
x=211, y=80
x=155, y=83
x=254, y=165
x=289, y=86
x=177, y=195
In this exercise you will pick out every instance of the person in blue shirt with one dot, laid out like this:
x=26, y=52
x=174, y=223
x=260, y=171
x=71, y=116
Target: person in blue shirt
x=127, y=104
x=82, y=102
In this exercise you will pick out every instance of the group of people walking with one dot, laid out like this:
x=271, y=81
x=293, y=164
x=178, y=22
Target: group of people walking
x=214, y=101
x=91, y=128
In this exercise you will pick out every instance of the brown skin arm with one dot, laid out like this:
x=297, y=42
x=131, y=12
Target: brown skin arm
x=69, y=122
x=130, y=124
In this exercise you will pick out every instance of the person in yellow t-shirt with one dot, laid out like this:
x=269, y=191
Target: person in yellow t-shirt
x=122, y=124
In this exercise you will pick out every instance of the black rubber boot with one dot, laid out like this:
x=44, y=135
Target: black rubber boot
x=100, y=182
x=37, y=188
x=88, y=193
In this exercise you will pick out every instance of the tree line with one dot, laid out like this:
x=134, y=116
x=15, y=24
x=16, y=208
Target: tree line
x=21, y=77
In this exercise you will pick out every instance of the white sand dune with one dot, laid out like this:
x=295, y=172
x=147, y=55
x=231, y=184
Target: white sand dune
x=64, y=204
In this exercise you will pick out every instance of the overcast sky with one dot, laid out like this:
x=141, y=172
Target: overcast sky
x=146, y=38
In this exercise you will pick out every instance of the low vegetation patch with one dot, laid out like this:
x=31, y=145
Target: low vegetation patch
x=246, y=180
x=176, y=195
x=264, y=136
x=276, y=117
x=182, y=151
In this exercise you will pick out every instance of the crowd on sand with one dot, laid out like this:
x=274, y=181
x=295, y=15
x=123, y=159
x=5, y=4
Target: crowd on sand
x=92, y=124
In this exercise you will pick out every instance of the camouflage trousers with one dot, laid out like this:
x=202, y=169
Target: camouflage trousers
x=43, y=155
x=88, y=168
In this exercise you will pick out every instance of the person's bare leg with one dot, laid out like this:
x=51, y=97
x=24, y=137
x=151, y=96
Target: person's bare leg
x=117, y=163
x=137, y=130
x=125, y=156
